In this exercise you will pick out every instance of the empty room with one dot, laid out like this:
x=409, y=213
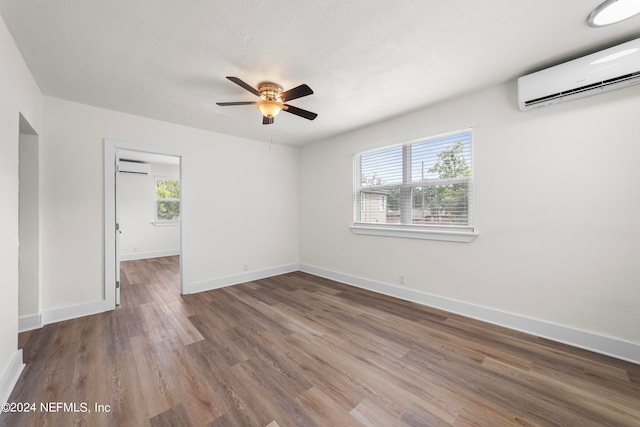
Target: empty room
x=337, y=213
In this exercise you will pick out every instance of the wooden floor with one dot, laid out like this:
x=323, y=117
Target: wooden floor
x=298, y=350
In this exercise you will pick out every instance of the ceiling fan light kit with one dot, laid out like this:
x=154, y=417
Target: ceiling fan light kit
x=269, y=108
x=271, y=103
x=273, y=100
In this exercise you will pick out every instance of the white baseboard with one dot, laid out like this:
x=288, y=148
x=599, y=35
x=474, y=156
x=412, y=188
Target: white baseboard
x=133, y=256
x=610, y=346
x=30, y=322
x=74, y=311
x=10, y=376
x=95, y=307
x=235, y=279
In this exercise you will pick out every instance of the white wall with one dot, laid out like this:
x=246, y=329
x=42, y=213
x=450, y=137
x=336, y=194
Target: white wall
x=243, y=198
x=557, y=207
x=140, y=238
x=19, y=94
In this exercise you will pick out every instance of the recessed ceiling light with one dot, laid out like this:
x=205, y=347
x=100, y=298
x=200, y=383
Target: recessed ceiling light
x=612, y=11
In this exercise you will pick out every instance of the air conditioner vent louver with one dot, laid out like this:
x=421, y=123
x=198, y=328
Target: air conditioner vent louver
x=133, y=167
x=590, y=75
x=594, y=86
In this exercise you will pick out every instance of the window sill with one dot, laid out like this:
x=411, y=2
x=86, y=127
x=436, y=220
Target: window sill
x=414, y=233
x=165, y=223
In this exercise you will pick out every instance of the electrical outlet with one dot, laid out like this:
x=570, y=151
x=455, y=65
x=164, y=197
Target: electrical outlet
x=245, y=267
x=401, y=279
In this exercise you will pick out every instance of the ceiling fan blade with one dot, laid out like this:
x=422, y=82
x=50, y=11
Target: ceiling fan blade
x=267, y=120
x=244, y=85
x=227, y=104
x=300, y=112
x=296, y=92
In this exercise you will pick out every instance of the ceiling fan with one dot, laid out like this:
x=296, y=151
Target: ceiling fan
x=273, y=100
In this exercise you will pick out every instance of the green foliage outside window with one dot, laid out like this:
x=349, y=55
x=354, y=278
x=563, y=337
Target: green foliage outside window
x=447, y=201
x=167, y=199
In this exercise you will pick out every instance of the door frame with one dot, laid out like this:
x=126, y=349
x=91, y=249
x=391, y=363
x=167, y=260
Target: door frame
x=111, y=147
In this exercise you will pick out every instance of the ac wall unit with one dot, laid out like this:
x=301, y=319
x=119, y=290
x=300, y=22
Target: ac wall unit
x=134, y=167
x=604, y=71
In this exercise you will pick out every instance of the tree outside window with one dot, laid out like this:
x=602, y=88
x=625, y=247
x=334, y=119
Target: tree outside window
x=424, y=183
x=167, y=200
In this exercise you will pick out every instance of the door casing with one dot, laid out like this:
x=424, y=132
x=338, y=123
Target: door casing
x=111, y=148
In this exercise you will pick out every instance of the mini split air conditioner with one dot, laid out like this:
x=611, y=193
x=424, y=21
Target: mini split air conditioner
x=604, y=71
x=133, y=167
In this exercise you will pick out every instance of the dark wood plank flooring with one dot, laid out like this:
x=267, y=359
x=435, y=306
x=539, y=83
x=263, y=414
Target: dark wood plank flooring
x=298, y=350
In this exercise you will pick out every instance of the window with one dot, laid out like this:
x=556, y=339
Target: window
x=167, y=200
x=424, y=186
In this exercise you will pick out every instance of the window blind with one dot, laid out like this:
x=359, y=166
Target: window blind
x=426, y=183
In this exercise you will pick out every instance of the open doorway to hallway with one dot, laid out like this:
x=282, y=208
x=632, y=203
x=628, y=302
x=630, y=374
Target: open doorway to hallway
x=29, y=227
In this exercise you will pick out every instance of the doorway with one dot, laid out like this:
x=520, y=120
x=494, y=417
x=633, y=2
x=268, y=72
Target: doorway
x=29, y=228
x=148, y=213
x=114, y=232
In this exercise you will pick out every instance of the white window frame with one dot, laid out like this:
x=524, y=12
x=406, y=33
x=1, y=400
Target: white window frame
x=163, y=222
x=406, y=229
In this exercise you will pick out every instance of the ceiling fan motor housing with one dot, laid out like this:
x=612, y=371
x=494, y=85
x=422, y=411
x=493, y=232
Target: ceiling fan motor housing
x=270, y=91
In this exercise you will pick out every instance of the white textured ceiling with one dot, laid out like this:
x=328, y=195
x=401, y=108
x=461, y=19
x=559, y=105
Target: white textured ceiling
x=366, y=60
